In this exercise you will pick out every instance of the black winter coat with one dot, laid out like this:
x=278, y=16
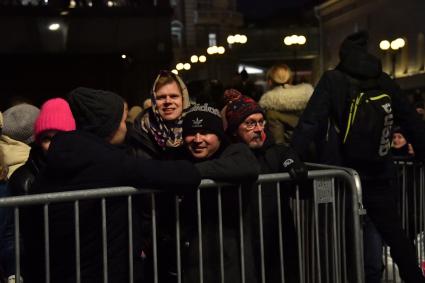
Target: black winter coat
x=22, y=180
x=270, y=158
x=234, y=164
x=78, y=160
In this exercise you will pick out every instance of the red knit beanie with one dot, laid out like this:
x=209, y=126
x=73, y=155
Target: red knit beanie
x=55, y=114
x=238, y=107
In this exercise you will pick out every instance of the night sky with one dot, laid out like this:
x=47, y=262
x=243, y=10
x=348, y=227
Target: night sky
x=263, y=9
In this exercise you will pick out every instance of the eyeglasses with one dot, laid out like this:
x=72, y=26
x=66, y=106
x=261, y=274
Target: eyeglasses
x=251, y=124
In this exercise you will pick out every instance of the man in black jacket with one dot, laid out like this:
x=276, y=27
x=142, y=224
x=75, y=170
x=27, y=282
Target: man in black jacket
x=245, y=121
x=324, y=121
x=91, y=157
x=216, y=159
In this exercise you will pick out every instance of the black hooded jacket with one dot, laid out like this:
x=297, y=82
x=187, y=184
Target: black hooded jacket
x=323, y=120
x=80, y=160
x=22, y=180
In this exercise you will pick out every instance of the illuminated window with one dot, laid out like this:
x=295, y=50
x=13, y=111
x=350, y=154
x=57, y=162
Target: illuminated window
x=176, y=33
x=212, y=39
x=421, y=52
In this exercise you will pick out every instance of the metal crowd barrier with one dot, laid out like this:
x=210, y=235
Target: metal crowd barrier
x=410, y=183
x=326, y=213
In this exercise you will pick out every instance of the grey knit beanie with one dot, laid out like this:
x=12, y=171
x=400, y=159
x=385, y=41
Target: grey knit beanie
x=18, y=122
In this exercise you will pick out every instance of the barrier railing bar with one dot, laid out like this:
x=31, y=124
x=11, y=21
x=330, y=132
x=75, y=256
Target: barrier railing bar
x=17, y=246
x=260, y=227
x=343, y=234
x=154, y=239
x=104, y=242
x=178, y=239
x=46, y=241
x=421, y=214
x=199, y=212
x=316, y=229
x=301, y=246
x=130, y=239
x=280, y=230
x=241, y=237
x=337, y=273
x=77, y=241
x=220, y=233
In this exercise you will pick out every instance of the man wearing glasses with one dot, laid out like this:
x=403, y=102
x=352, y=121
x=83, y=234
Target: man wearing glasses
x=245, y=122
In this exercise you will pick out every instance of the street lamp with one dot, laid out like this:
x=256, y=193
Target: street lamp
x=393, y=47
x=179, y=66
x=237, y=38
x=202, y=59
x=194, y=59
x=295, y=41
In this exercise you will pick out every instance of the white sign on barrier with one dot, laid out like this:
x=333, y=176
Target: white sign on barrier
x=324, y=190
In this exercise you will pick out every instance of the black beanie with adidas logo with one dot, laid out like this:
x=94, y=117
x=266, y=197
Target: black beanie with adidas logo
x=203, y=119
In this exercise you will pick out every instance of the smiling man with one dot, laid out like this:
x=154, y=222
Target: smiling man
x=208, y=147
x=246, y=123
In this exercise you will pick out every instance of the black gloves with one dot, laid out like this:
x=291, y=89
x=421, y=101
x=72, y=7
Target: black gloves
x=292, y=164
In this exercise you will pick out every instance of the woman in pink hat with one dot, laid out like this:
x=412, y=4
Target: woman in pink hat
x=55, y=115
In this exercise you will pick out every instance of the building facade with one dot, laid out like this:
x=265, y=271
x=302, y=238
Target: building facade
x=199, y=24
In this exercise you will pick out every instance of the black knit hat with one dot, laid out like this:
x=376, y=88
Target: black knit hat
x=203, y=118
x=96, y=111
x=356, y=41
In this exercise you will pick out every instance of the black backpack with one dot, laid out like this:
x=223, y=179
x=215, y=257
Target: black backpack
x=368, y=123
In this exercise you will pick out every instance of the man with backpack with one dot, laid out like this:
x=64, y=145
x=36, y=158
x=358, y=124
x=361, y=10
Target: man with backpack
x=349, y=117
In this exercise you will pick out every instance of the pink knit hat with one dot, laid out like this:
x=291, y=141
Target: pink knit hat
x=55, y=114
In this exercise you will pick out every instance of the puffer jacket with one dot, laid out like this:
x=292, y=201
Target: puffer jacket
x=284, y=105
x=15, y=153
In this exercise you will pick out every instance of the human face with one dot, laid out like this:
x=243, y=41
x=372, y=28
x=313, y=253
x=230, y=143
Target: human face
x=169, y=101
x=398, y=140
x=251, y=130
x=202, y=144
x=46, y=138
x=118, y=136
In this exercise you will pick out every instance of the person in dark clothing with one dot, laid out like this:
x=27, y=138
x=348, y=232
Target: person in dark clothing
x=157, y=134
x=246, y=123
x=400, y=147
x=216, y=159
x=324, y=120
x=55, y=116
x=91, y=157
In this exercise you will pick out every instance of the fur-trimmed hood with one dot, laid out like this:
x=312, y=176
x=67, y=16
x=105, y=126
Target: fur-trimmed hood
x=287, y=97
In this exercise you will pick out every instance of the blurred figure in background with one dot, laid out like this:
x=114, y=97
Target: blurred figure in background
x=400, y=147
x=133, y=113
x=284, y=102
x=244, y=84
x=17, y=134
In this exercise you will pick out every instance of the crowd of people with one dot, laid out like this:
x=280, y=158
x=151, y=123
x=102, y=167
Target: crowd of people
x=90, y=139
